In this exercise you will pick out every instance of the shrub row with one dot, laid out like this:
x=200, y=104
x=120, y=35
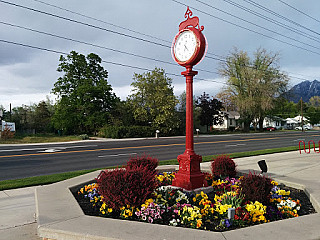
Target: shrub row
x=135, y=183
x=126, y=131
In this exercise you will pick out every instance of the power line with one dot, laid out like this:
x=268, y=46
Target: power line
x=93, y=26
x=298, y=10
x=285, y=26
x=254, y=24
x=118, y=26
x=95, y=45
x=104, y=61
x=102, y=21
x=279, y=15
x=85, y=24
x=248, y=29
x=126, y=35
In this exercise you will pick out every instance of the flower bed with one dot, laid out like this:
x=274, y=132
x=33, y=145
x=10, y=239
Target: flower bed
x=171, y=206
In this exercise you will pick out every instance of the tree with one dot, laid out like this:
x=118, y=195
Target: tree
x=84, y=97
x=313, y=115
x=226, y=98
x=315, y=101
x=153, y=102
x=253, y=84
x=122, y=115
x=42, y=117
x=284, y=108
x=181, y=107
x=210, y=110
x=23, y=117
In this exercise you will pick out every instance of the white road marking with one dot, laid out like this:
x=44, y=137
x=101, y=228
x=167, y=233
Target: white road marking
x=117, y=155
x=40, y=149
x=50, y=150
x=299, y=140
x=236, y=145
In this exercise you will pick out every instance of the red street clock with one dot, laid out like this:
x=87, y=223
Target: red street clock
x=189, y=45
x=188, y=49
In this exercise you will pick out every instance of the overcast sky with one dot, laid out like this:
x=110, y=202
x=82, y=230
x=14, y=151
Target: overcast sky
x=145, y=28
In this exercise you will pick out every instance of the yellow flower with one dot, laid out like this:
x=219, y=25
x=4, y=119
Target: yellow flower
x=199, y=223
x=283, y=192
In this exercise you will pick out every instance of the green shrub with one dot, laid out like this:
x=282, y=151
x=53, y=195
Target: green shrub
x=126, y=131
x=84, y=136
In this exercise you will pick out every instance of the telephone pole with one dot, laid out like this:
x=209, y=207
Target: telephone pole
x=301, y=116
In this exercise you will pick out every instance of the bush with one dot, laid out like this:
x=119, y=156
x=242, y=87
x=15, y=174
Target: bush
x=144, y=161
x=122, y=187
x=6, y=133
x=256, y=188
x=84, y=136
x=126, y=131
x=223, y=166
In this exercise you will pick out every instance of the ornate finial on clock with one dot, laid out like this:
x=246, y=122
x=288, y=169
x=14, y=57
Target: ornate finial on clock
x=191, y=21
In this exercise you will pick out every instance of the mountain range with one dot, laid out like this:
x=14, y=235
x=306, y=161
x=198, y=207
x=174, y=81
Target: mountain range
x=306, y=90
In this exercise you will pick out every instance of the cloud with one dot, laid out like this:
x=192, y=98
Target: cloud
x=31, y=72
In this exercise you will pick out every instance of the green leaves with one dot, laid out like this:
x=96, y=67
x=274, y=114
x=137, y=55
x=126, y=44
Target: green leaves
x=85, y=98
x=153, y=102
x=253, y=83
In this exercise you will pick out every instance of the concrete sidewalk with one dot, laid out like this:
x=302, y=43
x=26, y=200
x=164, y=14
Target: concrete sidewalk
x=18, y=207
x=17, y=214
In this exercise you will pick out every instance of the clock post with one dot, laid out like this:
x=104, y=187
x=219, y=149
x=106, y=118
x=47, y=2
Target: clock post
x=188, y=49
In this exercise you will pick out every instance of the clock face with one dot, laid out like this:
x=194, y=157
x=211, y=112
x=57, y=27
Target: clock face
x=185, y=46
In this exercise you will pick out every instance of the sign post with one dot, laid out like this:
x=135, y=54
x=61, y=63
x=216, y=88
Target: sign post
x=188, y=49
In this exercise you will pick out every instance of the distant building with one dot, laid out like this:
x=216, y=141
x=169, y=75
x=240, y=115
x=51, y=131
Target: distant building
x=274, y=121
x=292, y=123
x=230, y=122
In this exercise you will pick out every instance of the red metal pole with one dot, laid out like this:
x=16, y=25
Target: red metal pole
x=189, y=175
x=189, y=74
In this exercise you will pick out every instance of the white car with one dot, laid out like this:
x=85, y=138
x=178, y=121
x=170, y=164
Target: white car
x=305, y=127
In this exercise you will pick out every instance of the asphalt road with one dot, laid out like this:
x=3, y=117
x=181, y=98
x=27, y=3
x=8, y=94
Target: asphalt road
x=20, y=161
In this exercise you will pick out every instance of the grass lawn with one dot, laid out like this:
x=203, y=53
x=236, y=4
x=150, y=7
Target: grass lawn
x=42, y=180
x=40, y=139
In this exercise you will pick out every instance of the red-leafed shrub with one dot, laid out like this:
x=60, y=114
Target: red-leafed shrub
x=256, y=188
x=122, y=187
x=145, y=161
x=223, y=166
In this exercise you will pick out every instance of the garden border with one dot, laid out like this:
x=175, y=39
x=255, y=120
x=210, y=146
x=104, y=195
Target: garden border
x=59, y=216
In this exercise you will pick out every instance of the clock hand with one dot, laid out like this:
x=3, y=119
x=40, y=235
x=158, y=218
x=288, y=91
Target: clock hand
x=186, y=47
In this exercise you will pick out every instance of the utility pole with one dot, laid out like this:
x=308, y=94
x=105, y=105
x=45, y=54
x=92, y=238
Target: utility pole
x=10, y=112
x=301, y=116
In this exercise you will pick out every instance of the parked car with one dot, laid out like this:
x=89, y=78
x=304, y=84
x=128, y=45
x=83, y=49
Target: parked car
x=271, y=129
x=305, y=127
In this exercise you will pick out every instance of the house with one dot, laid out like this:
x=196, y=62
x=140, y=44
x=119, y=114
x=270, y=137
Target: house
x=230, y=121
x=274, y=121
x=292, y=123
x=299, y=118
